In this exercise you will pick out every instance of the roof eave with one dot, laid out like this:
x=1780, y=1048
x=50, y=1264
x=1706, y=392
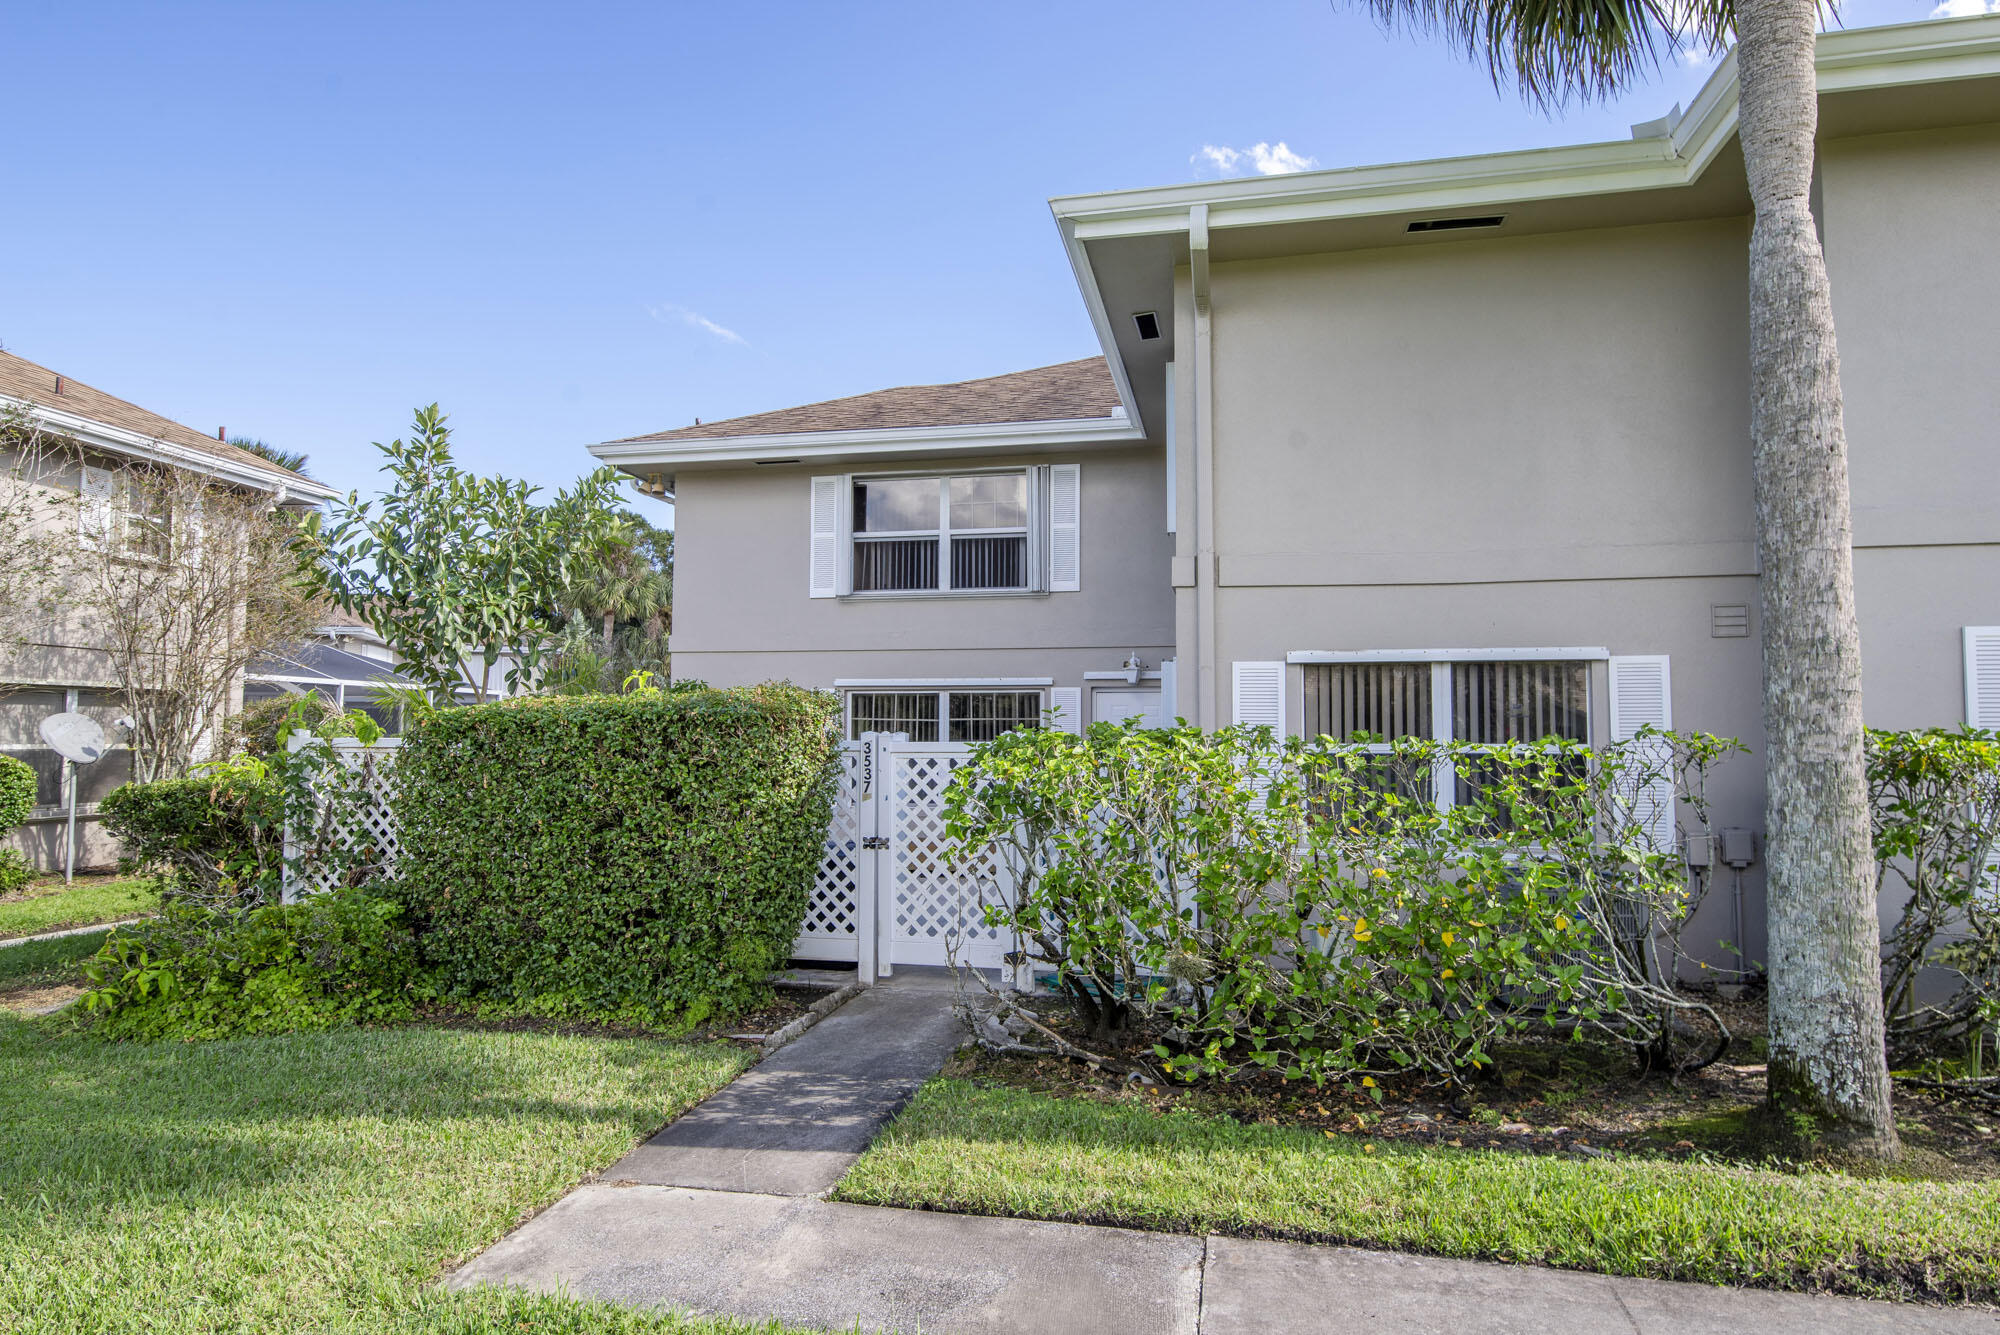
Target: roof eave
x=118, y=440
x=1929, y=51
x=979, y=438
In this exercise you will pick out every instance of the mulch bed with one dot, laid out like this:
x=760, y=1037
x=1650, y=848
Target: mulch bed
x=1542, y=1097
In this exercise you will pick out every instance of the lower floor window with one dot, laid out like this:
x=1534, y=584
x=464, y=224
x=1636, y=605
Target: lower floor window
x=1493, y=703
x=22, y=710
x=943, y=715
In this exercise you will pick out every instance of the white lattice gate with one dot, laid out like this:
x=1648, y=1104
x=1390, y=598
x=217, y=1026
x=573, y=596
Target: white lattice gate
x=888, y=890
x=363, y=834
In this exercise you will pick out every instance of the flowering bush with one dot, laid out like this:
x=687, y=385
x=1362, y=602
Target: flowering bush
x=1936, y=799
x=1309, y=907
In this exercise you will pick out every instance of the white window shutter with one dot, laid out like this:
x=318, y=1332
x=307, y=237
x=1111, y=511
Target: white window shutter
x=1065, y=528
x=827, y=495
x=1259, y=690
x=1982, y=676
x=1642, y=694
x=1067, y=704
x=193, y=524
x=93, y=520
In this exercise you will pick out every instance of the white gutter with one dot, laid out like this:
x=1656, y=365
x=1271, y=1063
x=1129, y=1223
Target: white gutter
x=117, y=440
x=986, y=438
x=1932, y=51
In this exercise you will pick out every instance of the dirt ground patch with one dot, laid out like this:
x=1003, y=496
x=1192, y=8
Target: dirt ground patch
x=39, y=1000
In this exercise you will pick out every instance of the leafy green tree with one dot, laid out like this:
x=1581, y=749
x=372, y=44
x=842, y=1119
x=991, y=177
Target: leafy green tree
x=1828, y=1071
x=457, y=572
x=633, y=584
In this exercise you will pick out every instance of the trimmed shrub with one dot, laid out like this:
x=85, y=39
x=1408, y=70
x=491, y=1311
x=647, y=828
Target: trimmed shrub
x=216, y=839
x=254, y=730
x=1236, y=901
x=343, y=957
x=17, y=799
x=1936, y=799
x=645, y=856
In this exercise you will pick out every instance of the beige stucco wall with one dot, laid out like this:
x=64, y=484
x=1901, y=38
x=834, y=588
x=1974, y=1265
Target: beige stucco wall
x=1910, y=230
x=1543, y=441
x=742, y=614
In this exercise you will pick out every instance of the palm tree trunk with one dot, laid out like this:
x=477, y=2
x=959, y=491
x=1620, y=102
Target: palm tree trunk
x=1827, y=1066
x=610, y=621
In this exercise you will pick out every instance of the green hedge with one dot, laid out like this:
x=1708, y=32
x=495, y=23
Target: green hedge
x=216, y=839
x=17, y=798
x=645, y=856
x=17, y=792
x=334, y=959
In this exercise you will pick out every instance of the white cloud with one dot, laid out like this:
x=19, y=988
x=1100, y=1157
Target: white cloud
x=1965, y=9
x=668, y=314
x=1264, y=159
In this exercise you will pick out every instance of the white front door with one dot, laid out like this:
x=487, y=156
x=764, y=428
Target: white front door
x=1119, y=705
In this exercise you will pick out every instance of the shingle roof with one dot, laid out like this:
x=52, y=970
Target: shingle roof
x=1073, y=390
x=23, y=379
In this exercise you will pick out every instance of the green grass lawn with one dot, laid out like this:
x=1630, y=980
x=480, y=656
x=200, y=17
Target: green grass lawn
x=49, y=906
x=984, y=1149
x=47, y=963
x=311, y=1182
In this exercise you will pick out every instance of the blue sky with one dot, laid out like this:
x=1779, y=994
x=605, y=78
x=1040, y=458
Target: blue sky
x=568, y=223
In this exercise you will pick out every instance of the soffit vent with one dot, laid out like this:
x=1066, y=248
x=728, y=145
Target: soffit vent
x=1457, y=224
x=1148, y=324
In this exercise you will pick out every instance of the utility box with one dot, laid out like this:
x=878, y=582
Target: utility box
x=1739, y=846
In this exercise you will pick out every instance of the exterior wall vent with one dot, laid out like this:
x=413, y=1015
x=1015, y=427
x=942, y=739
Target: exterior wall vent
x=1729, y=621
x=1457, y=224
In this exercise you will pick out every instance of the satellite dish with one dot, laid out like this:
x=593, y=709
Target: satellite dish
x=74, y=737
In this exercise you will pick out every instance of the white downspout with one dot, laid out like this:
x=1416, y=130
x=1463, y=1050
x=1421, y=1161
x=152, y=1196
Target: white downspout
x=1206, y=680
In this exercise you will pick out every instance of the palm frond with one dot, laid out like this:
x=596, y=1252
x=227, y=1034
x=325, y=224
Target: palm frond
x=1557, y=49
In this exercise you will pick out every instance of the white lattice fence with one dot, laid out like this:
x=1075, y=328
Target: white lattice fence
x=935, y=916
x=833, y=923
x=348, y=836
x=889, y=889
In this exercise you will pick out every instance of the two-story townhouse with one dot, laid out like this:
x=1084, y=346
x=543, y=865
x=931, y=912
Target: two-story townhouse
x=1454, y=449
x=52, y=658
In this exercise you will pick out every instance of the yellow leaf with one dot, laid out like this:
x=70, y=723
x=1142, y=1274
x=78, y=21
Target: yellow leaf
x=1449, y=938
x=1446, y=974
x=1368, y=1082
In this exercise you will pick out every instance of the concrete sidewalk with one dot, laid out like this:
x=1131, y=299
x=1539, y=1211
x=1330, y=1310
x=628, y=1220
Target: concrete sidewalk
x=721, y=1212
x=823, y=1265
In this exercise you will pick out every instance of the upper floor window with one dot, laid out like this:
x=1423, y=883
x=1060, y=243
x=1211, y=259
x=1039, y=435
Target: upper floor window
x=127, y=512
x=938, y=533
x=1013, y=530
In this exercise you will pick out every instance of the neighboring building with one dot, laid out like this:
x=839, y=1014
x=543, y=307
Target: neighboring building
x=52, y=664
x=1456, y=448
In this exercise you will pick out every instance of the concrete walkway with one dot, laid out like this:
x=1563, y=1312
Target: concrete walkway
x=721, y=1212
x=72, y=931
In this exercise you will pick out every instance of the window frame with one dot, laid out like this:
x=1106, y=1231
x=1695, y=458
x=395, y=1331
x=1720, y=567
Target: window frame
x=133, y=519
x=1032, y=566
x=1443, y=723
x=942, y=692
